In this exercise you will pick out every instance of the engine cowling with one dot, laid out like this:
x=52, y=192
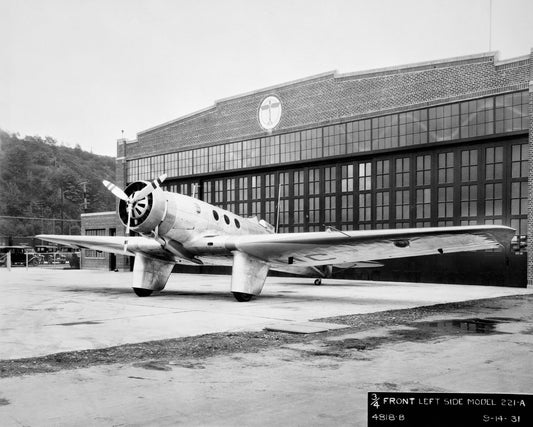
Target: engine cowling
x=147, y=213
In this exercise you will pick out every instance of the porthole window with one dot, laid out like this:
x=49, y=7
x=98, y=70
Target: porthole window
x=226, y=218
x=215, y=215
x=237, y=223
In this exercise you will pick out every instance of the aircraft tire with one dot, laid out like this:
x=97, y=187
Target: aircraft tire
x=141, y=292
x=318, y=282
x=242, y=297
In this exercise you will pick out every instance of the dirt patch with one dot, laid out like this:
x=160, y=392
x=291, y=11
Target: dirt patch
x=153, y=365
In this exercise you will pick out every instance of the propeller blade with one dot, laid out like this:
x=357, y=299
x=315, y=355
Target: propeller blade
x=115, y=190
x=156, y=183
x=127, y=228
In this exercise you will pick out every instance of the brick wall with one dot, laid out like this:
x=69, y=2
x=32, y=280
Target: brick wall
x=330, y=98
x=530, y=180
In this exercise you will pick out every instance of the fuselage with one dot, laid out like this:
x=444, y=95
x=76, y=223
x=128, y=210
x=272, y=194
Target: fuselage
x=186, y=226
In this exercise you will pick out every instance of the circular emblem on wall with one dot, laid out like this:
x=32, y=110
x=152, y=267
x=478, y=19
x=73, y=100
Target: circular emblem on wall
x=270, y=112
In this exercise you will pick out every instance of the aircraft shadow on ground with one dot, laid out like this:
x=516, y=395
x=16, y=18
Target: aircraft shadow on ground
x=224, y=295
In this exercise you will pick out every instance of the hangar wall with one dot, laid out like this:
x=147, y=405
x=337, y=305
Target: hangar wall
x=351, y=133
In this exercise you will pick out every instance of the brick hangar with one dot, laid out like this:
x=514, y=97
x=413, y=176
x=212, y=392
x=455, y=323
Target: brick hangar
x=431, y=144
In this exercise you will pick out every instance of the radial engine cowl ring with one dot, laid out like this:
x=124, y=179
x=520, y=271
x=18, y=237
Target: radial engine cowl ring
x=147, y=212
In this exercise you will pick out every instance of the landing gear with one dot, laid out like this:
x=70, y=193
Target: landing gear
x=242, y=297
x=141, y=292
x=318, y=282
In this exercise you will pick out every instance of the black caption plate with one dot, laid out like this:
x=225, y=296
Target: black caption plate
x=446, y=409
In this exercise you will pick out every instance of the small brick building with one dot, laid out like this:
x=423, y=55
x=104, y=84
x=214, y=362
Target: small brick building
x=432, y=144
x=101, y=224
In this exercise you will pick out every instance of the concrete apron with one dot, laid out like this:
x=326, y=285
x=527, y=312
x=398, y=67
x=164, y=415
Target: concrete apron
x=49, y=311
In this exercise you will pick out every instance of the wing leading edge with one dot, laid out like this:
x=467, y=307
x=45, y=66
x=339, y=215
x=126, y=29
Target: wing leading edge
x=339, y=247
x=113, y=244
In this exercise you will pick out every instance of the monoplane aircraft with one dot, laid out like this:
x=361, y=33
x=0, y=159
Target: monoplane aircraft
x=177, y=229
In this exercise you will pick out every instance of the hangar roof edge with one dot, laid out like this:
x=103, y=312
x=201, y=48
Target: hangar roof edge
x=241, y=95
x=357, y=74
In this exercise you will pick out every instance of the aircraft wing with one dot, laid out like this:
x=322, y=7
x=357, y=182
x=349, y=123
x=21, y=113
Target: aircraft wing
x=113, y=244
x=339, y=247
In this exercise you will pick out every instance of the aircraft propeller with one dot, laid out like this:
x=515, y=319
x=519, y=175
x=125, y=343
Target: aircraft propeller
x=133, y=199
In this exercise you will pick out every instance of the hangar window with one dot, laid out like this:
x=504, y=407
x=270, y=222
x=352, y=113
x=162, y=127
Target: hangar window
x=477, y=118
x=208, y=186
x=298, y=217
x=133, y=170
x=385, y=132
x=172, y=164
x=444, y=123
x=519, y=198
x=402, y=205
x=423, y=203
x=358, y=136
x=270, y=150
x=382, y=174
x=365, y=176
x=298, y=183
x=314, y=181
x=144, y=169
x=330, y=216
x=445, y=168
x=413, y=128
x=284, y=200
x=219, y=191
x=230, y=194
x=330, y=179
x=290, y=147
x=445, y=202
x=185, y=162
x=233, y=158
x=200, y=158
x=469, y=161
x=347, y=178
x=243, y=196
x=512, y=112
x=468, y=200
x=256, y=187
x=216, y=158
x=519, y=161
x=298, y=199
x=311, y=141
x=402, y=172
x=157, y=165
x=334, y=140
x=494, y=163
x=270, y=197
x=493, y=199
x=251, y=153
x=314, y=213
x=382, y=206
x=215, y=215
x=423, y=170
x=347, y=208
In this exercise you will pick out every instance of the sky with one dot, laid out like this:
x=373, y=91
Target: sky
x=83, y=71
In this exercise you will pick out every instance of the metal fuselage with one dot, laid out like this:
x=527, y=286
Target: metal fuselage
x=188, y=227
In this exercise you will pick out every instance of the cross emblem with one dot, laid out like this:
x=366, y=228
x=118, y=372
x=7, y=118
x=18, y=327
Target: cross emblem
x=270, y=112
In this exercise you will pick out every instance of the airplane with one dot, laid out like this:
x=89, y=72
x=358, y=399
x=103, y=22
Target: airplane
x=177, y=229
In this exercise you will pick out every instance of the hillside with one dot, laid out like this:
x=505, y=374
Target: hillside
x=41, y=179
